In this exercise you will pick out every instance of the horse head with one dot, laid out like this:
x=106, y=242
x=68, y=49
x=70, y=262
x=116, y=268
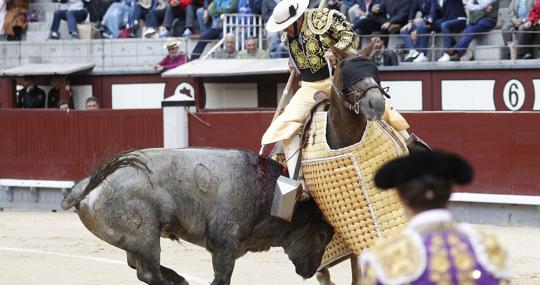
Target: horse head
x=357, y=85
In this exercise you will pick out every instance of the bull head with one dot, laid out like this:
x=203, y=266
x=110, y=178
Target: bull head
x=307, y=238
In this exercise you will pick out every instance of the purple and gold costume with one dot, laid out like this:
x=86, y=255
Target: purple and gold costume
x=433, y=249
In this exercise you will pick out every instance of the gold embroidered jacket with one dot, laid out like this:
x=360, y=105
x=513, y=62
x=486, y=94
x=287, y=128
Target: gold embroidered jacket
x=436, y=251
x=321, y=29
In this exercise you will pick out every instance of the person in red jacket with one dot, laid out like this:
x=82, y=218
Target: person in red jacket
x=530, y=35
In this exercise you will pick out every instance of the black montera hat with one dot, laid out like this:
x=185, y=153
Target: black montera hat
x=424, y=163
x=355, y=69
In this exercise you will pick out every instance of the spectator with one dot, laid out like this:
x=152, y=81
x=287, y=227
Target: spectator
x=204, y=20
x=154, y=18
x=482, y=18
x=64, y=106
x=72, y=12
x=3, y=6
x=432, y=246
x=96, y=10
x=215, y=10
x=378, y=54
x=273, y=39
x=53, y=97
x=92, y=103
x=229, y=47
x=360, y=9
x=520, y=10
x=15, y=22
x=116, y=18
x=387, y=18
x=175, y=10
x=140, y=10
x=30, y=96
x=450, y=18
x=173, y=59
x=192, y=16
x=251, y=50
x=531, y=35
x=345, y=6
x=422, y=6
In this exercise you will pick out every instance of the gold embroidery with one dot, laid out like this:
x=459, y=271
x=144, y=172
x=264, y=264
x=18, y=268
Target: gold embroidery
x=439, y=264
x=398, y=256
x=321, y=29
x=464, y=261
x=495, y=253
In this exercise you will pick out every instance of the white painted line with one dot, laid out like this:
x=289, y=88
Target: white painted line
x=188, y=277
x=496, y=198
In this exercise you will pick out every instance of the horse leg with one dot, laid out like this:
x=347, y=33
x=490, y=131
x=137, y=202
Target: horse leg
x=323, y=276
x=356, y=270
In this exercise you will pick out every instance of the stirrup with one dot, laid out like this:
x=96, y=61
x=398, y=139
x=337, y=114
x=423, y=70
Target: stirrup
x=414, y=143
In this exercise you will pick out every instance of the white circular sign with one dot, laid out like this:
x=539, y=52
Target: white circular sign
x=514, y=95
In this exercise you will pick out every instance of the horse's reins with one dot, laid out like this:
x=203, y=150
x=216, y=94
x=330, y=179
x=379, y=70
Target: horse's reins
x=358, y=94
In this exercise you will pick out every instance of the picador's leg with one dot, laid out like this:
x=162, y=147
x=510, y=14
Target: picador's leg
x=292, y=153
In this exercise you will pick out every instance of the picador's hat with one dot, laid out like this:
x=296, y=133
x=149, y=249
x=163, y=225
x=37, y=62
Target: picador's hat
x=424, y=163
x=285, y=13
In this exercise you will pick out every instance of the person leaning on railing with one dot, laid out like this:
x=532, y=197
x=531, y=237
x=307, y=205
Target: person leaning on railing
x=520, y=10
x=531, y=33
x=482, y=18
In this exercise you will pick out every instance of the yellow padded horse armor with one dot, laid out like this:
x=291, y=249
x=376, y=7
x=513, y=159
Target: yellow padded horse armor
x=341, y=182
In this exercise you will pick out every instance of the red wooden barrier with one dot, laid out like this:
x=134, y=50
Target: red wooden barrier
x=51, y=144
x=55, y=145
x=502, y=146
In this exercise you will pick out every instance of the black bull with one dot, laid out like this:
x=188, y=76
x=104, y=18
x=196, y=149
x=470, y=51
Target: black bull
x=218, y=199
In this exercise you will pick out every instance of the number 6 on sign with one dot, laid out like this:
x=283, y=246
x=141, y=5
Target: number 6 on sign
x=514, y=95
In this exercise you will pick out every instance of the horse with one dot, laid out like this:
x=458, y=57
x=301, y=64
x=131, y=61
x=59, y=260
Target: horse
x=347, y=116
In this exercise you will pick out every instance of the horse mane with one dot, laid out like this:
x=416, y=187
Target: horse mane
x=126, y=158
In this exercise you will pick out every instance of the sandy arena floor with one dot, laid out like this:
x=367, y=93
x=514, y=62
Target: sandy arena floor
x=55, y=248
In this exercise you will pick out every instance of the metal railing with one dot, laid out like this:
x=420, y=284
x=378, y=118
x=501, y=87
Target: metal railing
x=433, y=48
x=244, y=26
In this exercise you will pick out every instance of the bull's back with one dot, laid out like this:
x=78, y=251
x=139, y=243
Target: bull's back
x=207, y=184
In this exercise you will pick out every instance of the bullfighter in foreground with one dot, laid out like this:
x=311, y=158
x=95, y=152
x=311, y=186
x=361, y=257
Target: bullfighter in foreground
x=433, y=248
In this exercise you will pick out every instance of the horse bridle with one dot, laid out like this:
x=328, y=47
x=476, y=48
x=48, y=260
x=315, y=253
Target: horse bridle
x=358, y=95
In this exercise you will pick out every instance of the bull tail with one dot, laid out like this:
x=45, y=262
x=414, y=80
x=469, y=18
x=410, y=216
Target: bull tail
x=84, y=187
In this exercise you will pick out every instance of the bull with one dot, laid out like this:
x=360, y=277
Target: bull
x=215, y=198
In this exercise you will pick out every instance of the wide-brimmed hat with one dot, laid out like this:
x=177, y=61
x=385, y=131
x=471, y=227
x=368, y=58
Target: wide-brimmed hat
x=285, y=13
x=172, y=43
